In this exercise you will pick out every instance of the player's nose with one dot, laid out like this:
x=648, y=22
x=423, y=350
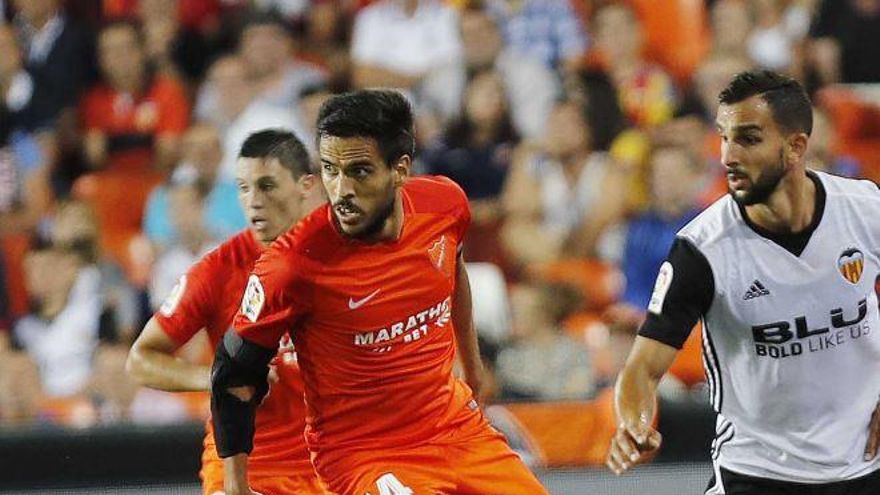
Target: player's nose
x=729, y=155
x=344, y=187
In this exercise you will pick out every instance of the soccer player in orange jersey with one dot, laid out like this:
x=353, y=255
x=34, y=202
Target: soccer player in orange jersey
x=275, y=190
x=374, y=293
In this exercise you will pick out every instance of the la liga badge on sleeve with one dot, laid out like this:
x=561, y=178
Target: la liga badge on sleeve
x=254, y=297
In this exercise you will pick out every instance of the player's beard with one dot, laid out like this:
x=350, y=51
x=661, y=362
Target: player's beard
x=376, y=224
x=763, y=186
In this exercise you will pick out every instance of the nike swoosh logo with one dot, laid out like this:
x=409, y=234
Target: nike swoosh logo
x=352, y=304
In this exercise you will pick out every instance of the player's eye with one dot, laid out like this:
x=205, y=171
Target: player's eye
x=329, y=169
x=242, y=188
x=360, y=172
x=751, y=140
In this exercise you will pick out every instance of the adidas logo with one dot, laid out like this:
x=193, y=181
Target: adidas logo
x=757, y=289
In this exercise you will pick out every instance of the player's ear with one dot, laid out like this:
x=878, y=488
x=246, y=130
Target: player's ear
x=796, y=147
x=306, y=182
x=401, y=170
x=309, y=187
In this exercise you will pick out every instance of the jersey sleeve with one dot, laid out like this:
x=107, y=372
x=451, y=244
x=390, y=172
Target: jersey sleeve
x=683, y=292
x=190, y=305
x=461, y=210
x=273, y=301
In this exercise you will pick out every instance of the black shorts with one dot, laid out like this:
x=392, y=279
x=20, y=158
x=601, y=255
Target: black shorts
x=740, y=484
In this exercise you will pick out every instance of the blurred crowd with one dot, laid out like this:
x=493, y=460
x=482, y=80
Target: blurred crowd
x=581, y=130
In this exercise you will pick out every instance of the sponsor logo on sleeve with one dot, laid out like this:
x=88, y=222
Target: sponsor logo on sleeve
x=254, y=297
x=661, y=287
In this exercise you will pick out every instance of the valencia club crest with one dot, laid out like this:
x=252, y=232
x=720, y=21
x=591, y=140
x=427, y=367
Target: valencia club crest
x=851, y=263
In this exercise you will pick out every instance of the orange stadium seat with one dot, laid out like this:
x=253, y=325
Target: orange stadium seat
x=13, y=248
x=118, y=198
x=688, y=365
x=677, y=34
x=857, y=123
x=600, y=283
x=76, y=411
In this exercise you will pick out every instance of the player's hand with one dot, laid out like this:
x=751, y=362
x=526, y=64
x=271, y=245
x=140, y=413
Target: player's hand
x=245, y=491
x=630, y=444
x=873, y=435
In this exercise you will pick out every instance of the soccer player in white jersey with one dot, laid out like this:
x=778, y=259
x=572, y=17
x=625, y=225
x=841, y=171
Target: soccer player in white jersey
x=781, y=272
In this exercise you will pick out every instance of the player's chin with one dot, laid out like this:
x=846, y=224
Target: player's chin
x=351, y=225
x=265, y=234
x=741, y=196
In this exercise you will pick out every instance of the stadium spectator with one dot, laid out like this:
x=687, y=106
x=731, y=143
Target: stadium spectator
x=74, y=228
x=133, y=122
x=646, y=92
x=675, y=177
x=530, y=86
x=561, y=196
x=134, y=118
x=324, y=40
x=845, y=34
x=186, y=198
x=413, y=45
x=266, y=47
x=176, y=41
x=477, y=148
x=548, y=30
x=57, y=64
x=230, y=102
x=61, y=334
x=25, y=155
x=544, y=363
x=732, y=22
x=202, y=155
x=776, y=40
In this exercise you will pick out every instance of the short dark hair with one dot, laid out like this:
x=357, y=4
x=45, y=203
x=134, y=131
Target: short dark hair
x=788, y=100
x=281, y=145
x=383, y=115
x=265, y=18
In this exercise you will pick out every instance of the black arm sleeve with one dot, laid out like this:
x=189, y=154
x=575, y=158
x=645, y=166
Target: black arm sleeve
x=682, y=294
x=237, y=363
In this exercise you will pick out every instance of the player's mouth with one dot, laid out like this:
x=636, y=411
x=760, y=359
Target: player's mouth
x=737, y=180
x=259, y=224
x=348, y=214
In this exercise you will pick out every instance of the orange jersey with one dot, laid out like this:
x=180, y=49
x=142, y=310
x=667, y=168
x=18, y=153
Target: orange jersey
x=208, y=296
x=371, y=323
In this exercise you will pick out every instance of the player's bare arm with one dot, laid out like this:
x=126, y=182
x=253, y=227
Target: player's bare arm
x=873, y=435
x=635, y=403
x=151, y=362
x=465, y=334
x=235, y=476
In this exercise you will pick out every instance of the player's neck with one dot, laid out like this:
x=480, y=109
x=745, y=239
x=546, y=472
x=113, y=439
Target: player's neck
x=393, y=226
x=790, y=208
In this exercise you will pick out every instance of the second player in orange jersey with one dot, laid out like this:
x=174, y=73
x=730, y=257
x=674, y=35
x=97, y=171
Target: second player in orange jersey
x=275, y=190
x=374, y=291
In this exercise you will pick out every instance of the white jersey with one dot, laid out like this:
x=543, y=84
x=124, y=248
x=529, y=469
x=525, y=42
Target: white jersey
x=791, y=332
